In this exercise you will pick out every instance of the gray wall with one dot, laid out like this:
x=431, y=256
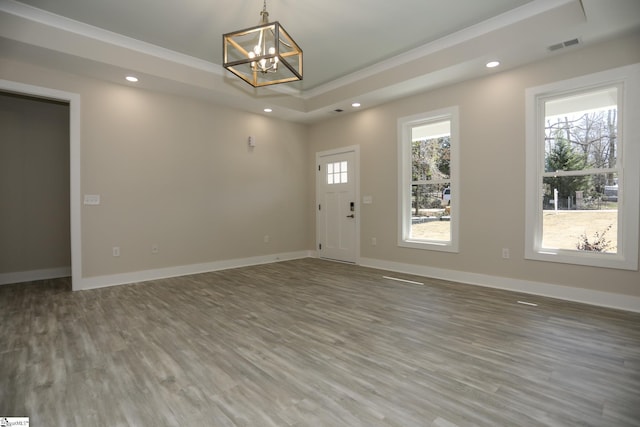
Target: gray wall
x=492, y=131
x=34, y=184
x=178, y=173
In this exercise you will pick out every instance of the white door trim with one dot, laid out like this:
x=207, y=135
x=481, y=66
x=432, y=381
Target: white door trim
x=348, y=149
x=74, y=153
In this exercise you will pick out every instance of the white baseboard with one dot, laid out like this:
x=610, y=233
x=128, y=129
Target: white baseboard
x=568, y=293
x=586, y=296
x=29, y=276
x=164, y=273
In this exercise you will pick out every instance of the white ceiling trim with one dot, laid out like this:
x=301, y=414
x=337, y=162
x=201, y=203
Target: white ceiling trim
x=99, y=34
x=516, y=37
x=492, y=24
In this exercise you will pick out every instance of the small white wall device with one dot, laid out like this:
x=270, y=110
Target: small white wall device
x=252, y=141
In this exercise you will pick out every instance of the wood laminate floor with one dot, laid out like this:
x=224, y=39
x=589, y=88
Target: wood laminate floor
x=312, y=343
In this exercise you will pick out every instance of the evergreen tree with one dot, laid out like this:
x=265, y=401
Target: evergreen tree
x=562, y=157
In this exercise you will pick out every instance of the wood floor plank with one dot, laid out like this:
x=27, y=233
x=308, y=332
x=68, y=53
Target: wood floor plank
x=312, y=343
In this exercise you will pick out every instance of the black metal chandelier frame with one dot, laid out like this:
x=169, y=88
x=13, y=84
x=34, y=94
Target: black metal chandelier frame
x=262, y=55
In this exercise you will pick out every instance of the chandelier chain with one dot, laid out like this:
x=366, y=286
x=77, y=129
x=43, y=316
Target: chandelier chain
x=264, y=14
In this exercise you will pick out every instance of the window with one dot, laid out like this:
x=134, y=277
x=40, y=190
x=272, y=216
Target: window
x=337, y=173
x=428, y=182
x=583, y=151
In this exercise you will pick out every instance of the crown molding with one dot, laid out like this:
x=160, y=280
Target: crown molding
x=62, y=23
x=492, y=24
x=76, y=27
x=80, y=28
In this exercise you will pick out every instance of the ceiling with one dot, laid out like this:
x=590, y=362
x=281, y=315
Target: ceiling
x=370, y=51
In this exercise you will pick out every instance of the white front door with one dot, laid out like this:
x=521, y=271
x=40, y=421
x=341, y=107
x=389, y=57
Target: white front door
x=337, y=215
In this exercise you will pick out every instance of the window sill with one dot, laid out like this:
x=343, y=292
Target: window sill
x=595, y=259
x=430, y=245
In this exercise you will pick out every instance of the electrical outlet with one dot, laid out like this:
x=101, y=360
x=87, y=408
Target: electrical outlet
x=155, y=249
x=91, y=199
x=505, y=253
x=266, y=238
x=116, y=250
x=374, y=241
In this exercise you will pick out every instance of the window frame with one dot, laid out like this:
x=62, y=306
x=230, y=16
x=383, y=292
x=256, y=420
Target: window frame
x=405, y=125
x=627, y=79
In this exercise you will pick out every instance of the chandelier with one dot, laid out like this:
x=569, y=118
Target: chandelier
x=262, y=55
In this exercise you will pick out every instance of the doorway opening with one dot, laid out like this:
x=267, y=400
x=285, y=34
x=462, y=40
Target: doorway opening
x=20, y=90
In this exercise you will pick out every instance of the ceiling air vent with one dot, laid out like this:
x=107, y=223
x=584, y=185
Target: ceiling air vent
x=567, y=43
x=338, y=110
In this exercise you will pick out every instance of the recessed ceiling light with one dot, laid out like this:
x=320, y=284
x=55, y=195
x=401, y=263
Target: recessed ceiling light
x=132, y=79
x=492, y=64
x=355, y=104
x=267, y=110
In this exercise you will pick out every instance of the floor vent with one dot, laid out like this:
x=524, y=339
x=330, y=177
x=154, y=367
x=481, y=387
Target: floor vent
x=564, y=44
x=402, y=280
x=527, y=303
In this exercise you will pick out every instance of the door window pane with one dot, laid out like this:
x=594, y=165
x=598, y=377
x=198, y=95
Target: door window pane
x=337, y=173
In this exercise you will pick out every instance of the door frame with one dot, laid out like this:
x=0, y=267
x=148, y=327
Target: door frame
x=74, y=161
x=356, y=176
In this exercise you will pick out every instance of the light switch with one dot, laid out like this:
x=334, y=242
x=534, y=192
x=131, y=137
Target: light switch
x=91, y=199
